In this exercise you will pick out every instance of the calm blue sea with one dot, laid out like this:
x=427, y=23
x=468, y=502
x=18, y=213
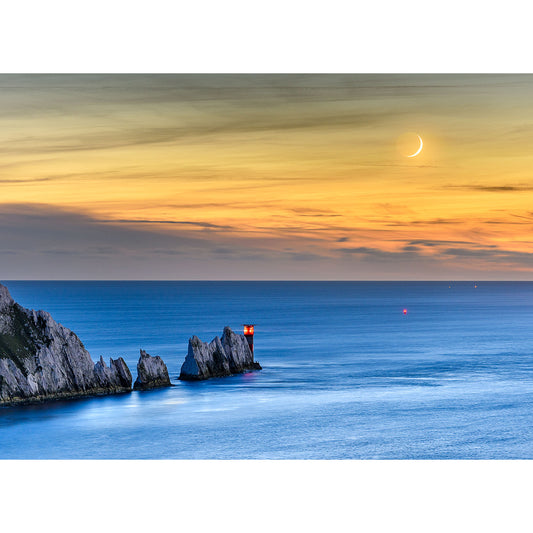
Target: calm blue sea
x=346, y=374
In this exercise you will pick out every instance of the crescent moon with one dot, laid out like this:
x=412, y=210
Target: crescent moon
x=419, y=148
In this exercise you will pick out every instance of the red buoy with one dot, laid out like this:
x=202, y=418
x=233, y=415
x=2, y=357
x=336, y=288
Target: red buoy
x=405, y=311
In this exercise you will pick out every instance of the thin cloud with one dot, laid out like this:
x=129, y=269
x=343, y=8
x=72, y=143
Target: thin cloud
x=207, y=225
x=492, y=255
x=431, y=221
x=482, y=254
x=491, y=188
x=437, y=242
x=375, y=252
x=24, y=180
x=145, y=135
x=312, y=212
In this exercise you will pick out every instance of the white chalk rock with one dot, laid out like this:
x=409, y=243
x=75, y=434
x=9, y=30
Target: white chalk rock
x=40, y=359
x=221, y=357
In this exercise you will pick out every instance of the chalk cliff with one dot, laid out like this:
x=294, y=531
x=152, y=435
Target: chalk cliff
x=151, y=373
x=40, y=359
x=220, y=357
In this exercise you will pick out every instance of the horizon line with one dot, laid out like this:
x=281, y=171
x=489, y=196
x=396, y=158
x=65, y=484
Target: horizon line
x=472, y=280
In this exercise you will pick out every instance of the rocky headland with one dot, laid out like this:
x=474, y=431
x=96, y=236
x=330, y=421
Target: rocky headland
x=220, y=357
x=152, y=373
x=40, y=359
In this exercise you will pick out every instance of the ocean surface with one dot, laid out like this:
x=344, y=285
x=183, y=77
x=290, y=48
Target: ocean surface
x=346, y=373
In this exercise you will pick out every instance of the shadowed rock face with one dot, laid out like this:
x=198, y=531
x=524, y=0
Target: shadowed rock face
x=151, y=373
x=40, y=359
x=220, y=357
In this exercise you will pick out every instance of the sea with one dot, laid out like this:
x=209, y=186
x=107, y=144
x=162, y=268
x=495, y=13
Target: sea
x=351, y=370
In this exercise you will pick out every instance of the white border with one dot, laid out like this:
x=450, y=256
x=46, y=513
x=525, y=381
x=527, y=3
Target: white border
x=276, y=36
x=266, y=496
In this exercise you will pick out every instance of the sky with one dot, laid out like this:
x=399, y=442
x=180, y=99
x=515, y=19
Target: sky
x=296, y=177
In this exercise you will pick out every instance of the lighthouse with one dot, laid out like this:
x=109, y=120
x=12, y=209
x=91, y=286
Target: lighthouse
x=249, y=335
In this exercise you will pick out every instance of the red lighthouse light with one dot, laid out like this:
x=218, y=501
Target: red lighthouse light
x=249, y=335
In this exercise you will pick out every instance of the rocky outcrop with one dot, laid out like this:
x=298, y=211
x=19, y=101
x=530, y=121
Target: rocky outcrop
x=40, y=359
x=151, y=373
x=221, y=357
x=117, y=374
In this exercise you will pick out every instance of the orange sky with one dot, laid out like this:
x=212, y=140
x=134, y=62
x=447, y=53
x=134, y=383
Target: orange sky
x=266, y=177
